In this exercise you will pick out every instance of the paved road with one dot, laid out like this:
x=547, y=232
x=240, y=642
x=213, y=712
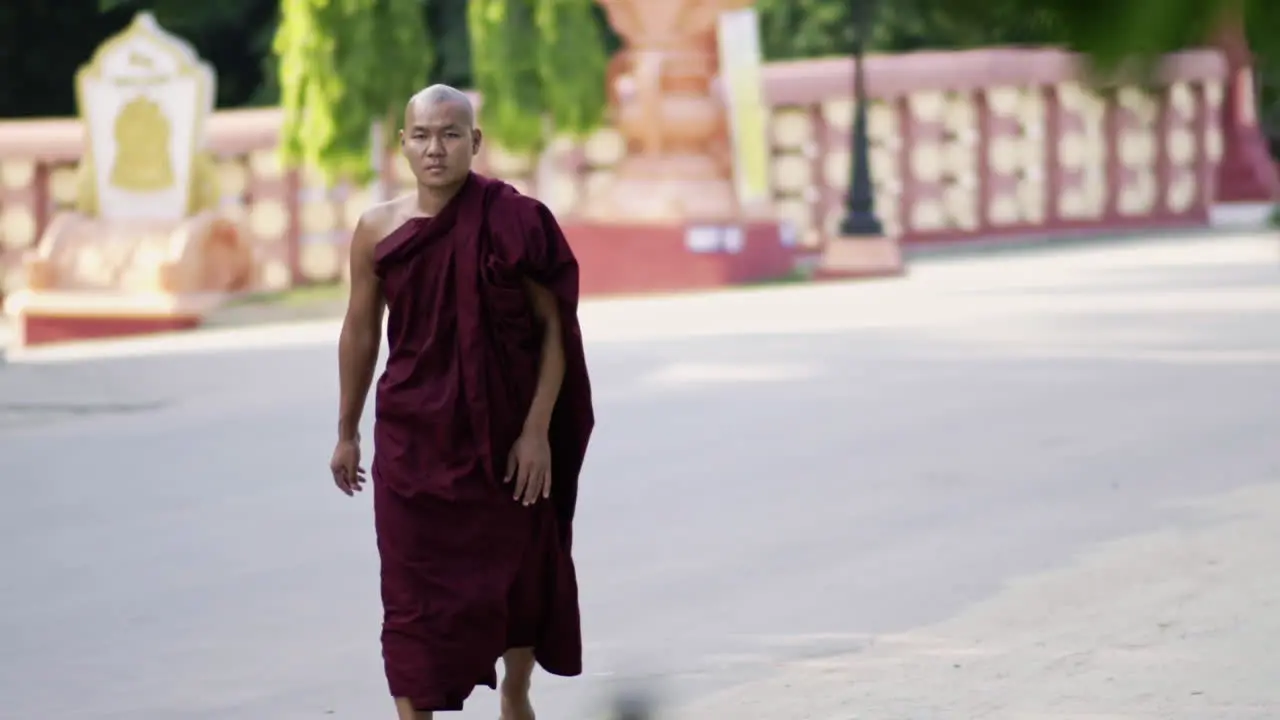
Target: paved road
x=809, y=502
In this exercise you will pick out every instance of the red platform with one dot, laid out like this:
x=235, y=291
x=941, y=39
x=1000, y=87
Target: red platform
x=53, y=317
x=622, y=258
x=42, y=330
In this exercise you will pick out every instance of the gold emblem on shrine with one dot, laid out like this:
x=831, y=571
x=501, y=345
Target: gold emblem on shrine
x=142, y=161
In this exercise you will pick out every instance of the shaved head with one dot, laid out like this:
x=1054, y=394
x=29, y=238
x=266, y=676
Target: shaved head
x=440, y=136
x=438, y=95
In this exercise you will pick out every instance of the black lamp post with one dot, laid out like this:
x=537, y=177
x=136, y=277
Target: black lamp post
x=860, y=205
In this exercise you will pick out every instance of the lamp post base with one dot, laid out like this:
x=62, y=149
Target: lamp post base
x=860, y=256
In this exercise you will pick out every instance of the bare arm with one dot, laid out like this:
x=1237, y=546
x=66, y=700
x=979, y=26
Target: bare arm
x=361, y=336
x=551, y=367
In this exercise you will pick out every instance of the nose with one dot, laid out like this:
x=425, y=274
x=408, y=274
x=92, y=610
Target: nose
x=435, y=148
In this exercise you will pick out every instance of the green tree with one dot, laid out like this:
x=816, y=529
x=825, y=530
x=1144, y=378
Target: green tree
x=793, y=29
x=1110, y=32
x=346, y=66
x=450, y=40
x=539, y=65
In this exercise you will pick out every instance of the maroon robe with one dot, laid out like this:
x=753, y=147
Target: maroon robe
x=467, y=571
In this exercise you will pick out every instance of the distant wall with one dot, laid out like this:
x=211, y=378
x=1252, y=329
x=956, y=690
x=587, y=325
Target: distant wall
x=976, y=143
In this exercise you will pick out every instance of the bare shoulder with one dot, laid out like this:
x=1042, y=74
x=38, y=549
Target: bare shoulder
x=379, y=221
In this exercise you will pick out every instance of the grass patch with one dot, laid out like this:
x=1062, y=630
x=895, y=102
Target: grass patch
x=305, y=295
x=796, y=275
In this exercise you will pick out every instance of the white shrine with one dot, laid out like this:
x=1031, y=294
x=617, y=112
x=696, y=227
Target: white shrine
x=145, y=98
x=147, y=247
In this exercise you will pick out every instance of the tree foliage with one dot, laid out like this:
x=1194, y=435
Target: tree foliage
x=450, y=40
x=504, y=68
x=1111, y=33
x=572, y=64
x=1116, y=33
x=537, y=63
x=346, y=66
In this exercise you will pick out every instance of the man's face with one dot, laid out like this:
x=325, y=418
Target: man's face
x=439, y=142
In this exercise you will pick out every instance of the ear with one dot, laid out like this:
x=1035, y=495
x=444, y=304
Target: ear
x=476, y=138
x=401, y=137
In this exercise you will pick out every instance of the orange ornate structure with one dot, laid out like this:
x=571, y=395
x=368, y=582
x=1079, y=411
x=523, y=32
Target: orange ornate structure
x=676, y=165
x=668, y=211
x=145, y=247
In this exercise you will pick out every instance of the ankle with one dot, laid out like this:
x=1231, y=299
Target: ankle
x=515, y=690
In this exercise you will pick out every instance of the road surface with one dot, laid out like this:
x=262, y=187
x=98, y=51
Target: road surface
x=1034, y=485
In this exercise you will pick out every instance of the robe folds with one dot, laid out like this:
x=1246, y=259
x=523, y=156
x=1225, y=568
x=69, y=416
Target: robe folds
x=467, y=571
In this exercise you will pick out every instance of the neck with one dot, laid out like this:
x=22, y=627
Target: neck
x=431, y=200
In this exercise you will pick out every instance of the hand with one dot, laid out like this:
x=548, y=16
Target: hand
x=529, y=465
x=345, y=465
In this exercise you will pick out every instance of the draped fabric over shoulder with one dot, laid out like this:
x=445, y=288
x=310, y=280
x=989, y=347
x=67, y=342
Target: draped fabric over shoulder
x=467, y=571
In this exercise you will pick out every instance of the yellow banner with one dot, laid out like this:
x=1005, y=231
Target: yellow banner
x=743, y=84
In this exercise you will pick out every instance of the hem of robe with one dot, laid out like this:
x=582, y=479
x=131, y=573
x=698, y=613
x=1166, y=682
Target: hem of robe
x=444, y=701
x=440, y=678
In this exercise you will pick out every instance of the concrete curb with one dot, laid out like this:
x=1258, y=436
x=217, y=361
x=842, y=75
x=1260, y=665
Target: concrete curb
x=988, y=247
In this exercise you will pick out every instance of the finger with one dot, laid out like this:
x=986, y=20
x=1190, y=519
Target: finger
x=355, y=477
x=522, y=479
x=546, y=484
x=535, y=487
x=528, y=483
x=511, y=467
x=340, y=479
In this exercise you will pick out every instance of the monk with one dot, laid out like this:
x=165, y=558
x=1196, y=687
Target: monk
x=482, y=419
